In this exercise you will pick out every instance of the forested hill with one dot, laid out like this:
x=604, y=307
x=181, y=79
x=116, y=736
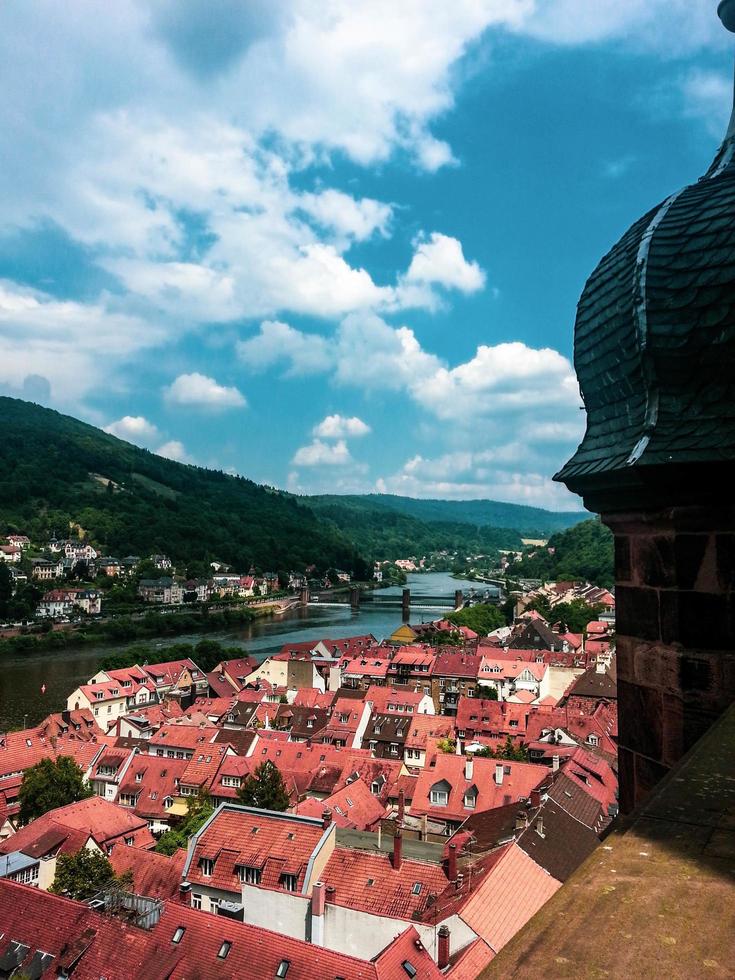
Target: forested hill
x=583, y=552
x=387, y=534
x=54, y=470
x=529, y=522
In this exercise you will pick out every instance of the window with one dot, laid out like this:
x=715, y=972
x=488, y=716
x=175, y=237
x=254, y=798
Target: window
x=394, y=748
x=282, y=969
x=139, y=777
x=470, y=800
x=128, y=799
x=196, y=901
x=416, y=888
x=409, y=968
x=375, y=788
x=168, y=802
x=593, y=740
x=247, y=875
x=178, y=935
x=439, y=797
x=373, y=745
x=207, y=866
x=289, y=883
x=224, y=950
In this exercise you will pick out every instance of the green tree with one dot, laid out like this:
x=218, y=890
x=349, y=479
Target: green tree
x=200, y=809
x=51, y=784
x=264, y=788
x=82, y=875
x=6, y=590
x=486, y=692
x=481, y=618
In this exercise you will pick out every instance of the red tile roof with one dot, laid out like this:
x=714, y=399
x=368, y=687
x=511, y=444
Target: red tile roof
x=154, y=875
x=152, y=780
x=275, y=844
x=99, y=819
x=394, y=700
x=518, y=779
x=456, y=663
x=182, y=735
x=353, y=806
x=393, y=893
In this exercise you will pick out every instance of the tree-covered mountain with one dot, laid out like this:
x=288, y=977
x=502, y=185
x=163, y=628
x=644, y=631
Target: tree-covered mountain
x=529, y=522
x=387, y=534
x=54, y=472
x=585, y=551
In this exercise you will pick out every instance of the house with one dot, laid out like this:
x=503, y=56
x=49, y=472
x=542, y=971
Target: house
x=396, y=700
x=94, y=824
x=507, y=677
x=301, y=722
x=153, y=875
x=162, y=563
x=79, y=551
x=482, y=718
x=21, y=541
x=412, y=665
x=162, y=591
x=454, y=674
x=109, y=770
x=424, y=731
x=107, y=700
x=65, y=602
x=352, y=807
x=178, y=678
x=386, y=735
x=149, y=787
x=230, y=676
x=179, y=739
x=362, y=672
x=347, y=723
x=42, y=570
x=451, y=787
x=10, y=553
x=197, y=590
x=110, y=567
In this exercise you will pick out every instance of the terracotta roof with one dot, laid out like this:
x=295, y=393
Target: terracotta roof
x=94, y=817
x=154, y=875
x=353, y=807
x=394, y=699
x=152, y=780
x=456, y=663
x=181, y=735
x=557, y=841
x=367, y=881
x=508, y=897
x=274, y=843
x=470, y=961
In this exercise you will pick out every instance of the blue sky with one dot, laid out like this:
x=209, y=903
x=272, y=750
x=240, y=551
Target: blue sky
x=335, y=247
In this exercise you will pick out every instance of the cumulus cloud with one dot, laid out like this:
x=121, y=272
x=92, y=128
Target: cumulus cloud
x=69, y=344
x=203, y=392
x=707, y=95
x=173, y=449
x=340, y=427
x=319, y=453
x=440, y=260
x=134, y=428
x=279, y=343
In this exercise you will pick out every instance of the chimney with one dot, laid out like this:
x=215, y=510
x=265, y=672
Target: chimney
x=318, y=902
x=452, y=863
x=521, y=820
x=442, y=959
x=326, y=817
x=459, y=881
x=555, y=762
x=540, y=825
x=468, y=767
x=499, y=773
x=535, y=798
x=331, y=895
x=184, y=891
x=398, y=850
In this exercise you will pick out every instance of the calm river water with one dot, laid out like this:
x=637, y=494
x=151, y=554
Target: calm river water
x=22, y=677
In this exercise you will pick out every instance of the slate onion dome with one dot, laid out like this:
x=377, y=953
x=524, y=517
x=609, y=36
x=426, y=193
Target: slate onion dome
x=654, y=351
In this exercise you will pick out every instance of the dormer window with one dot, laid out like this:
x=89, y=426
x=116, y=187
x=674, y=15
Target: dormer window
x=207, y=867
x=470, y=799
x=282, y=969
x=178, y=935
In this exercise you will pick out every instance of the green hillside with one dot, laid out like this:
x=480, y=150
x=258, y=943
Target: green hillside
x=583, y=552
x=529, y=522
x=385, y=533
x=54, y=470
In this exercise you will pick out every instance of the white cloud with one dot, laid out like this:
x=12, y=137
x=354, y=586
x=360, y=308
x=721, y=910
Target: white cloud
x=173, y=449
x=70, y=344
x=318, y=453
x=134, y=428
x=371, y=354
x=355, y=219
x=279, y=343
x=707, y=95
x=440, y=260
x=203, y=392
x=341, y=427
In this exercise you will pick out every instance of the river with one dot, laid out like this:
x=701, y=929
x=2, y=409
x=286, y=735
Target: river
x=23, y=676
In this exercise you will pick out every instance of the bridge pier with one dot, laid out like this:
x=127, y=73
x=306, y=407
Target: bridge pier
x=355, y=598
x=458, y=599
x=406, y=605
x=304, y=598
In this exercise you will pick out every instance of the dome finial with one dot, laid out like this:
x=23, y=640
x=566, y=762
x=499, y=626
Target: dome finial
x=726, y=12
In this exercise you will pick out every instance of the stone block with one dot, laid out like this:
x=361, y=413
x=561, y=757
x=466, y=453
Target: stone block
x=640, y=719
x=637, y=612
x=653, y=561
x=689, y=550
x=622, y=558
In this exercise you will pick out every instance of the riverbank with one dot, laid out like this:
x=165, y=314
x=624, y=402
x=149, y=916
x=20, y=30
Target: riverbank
x=151, y=626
